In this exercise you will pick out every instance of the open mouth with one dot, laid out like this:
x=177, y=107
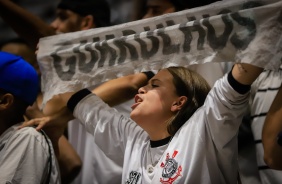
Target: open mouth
x=137, y=100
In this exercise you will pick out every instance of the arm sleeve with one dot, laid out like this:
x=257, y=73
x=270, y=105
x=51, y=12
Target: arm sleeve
x=24, y=158
x=110, y=128
x=225, y=106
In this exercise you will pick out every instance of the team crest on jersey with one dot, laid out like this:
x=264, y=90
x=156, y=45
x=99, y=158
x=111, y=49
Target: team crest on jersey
x=171, y=169
x=133, y=177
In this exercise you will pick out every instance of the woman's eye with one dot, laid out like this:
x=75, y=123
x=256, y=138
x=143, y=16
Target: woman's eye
x=154, y=85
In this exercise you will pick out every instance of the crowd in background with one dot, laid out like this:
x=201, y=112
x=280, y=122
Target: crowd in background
x=81, y=159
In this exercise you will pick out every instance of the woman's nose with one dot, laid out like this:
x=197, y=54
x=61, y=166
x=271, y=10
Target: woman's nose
x=141, y=90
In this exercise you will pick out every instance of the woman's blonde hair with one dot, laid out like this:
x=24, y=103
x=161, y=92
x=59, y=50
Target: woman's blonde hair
x=190, y=84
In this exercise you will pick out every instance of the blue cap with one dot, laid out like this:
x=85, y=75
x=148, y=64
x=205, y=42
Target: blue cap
x=18, y=77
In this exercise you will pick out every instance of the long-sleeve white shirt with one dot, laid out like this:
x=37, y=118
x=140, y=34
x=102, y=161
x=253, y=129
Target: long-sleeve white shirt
x=204, y=150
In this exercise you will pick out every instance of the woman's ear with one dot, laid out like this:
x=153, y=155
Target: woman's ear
x=177, y=105
x=87, y=22
x=6, y=101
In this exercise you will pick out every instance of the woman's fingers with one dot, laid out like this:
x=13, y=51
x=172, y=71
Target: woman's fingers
x=39, y=123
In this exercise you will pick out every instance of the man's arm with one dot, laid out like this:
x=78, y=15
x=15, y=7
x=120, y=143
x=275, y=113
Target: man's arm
x=69, y=161
x=24, y=23
x=272, y=127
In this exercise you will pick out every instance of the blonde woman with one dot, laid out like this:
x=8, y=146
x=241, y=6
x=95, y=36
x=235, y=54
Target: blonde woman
x=180, y=131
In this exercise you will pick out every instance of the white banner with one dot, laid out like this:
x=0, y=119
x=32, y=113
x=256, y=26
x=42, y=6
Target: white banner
x=247, y=31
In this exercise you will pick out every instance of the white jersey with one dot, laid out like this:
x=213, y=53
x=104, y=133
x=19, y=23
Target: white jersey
x=97, y=168
x=204, y=150
x=24, y=157
x=264, y=91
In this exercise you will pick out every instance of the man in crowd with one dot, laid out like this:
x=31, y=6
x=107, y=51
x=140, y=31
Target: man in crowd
x=27, y=156
x=72, y=15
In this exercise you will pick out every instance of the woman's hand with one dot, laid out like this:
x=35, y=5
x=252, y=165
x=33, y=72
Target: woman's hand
x=58, y=120
x=38, y=123
x=53, y=125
